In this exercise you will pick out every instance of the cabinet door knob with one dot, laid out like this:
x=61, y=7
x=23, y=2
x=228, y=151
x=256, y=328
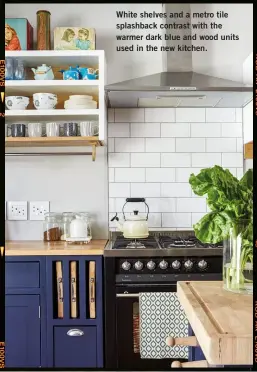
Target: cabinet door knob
x=186, y=341
x=75, y=332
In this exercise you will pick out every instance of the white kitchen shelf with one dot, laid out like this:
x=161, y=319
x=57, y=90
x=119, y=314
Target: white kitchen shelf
x=59, y=59
x=28, y=87
x=89, y=114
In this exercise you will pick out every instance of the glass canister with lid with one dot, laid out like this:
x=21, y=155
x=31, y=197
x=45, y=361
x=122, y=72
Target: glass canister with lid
x=52, y=224
x=80, y=227
x=67, y=217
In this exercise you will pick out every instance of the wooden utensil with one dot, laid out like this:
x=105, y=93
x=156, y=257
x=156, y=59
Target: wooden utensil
x=92, y=305
x=59, y=280
x=73, y=289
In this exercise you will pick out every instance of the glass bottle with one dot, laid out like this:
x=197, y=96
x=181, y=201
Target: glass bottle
x=19, y=70
x=8, y=69
x=67, y=217
x=52, y=227
x=238, y=259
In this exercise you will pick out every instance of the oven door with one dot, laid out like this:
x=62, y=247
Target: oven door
x=127, y=327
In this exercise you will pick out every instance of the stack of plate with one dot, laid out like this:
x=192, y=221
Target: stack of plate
x=80, y=102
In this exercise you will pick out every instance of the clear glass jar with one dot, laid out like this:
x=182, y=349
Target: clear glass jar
x=52, y=231
x=86, y=218
x=238, y=260
x=8, y=69
x=19, y=70
x=67, y=217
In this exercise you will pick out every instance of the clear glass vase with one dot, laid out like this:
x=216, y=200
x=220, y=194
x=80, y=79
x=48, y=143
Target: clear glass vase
x=238, y=261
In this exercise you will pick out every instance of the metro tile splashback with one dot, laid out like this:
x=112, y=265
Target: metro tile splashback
x=153, y=151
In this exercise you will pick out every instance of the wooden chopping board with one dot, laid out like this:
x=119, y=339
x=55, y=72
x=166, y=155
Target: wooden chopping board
x=222, y=321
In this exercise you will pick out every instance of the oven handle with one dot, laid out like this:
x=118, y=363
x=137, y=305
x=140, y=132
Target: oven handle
x=135, y=295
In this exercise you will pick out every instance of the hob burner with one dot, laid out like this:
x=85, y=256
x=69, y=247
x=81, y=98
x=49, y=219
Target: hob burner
x=125, y=243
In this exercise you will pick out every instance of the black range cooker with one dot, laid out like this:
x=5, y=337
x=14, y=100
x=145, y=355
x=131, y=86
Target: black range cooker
x=154, y=264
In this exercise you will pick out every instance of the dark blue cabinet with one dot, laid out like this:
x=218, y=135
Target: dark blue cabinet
x=22, y=335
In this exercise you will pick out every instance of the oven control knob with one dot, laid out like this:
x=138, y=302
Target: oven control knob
x=163, y=265
x=188, y=264
x=202, y=264
x=126, y=265
x=138, y=265
x=151, y=265
x=176, y=265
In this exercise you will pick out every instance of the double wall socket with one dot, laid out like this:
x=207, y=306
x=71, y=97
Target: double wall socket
x=37, y=210
x=17, y=210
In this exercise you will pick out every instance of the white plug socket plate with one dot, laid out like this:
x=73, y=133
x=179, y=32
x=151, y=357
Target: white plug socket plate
x=17, y=211
x=37, y=210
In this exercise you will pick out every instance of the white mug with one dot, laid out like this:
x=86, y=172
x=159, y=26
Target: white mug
x=52, y=129
x=88, y=128
x=35, y=129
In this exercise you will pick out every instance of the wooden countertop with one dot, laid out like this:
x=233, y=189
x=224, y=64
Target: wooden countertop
x=40, y=248
x=222, y=321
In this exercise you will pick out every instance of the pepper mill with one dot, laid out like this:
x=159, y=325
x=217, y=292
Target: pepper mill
x=43, y=30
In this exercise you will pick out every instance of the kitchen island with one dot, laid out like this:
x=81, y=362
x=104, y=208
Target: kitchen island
x=53, y=291
x=222, y=322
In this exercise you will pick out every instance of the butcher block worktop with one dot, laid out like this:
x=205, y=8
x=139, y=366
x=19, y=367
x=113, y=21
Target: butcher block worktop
x=222, y=321
x=40, y=248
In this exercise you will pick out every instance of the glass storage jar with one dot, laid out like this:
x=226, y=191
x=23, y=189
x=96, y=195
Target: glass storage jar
x=238, y=259
x=87, y=220
x=67, y=217
x=52, y=230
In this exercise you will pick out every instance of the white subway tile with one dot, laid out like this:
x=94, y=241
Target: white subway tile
x=175, y=160
x=232, y=160
x=239, y=115
x=160, y=175
x=231, y=130
x=206, y=160
x=176, y=220
x=155, y=220
x=239, y=173
x=129, y=175
x=145, y=129
x=161, y=204
x=196, y=217
x=239, y=145
x=232, y=171
x=111, y=174
x=175, y=130
x=112, y=205
x=160, y=145
x=206, y=130
x=117, y=190
x=129, y=115
x=145, y=160
x=141, y=190
x=118, y=130
x=190, y=115
x=129, y=144
x=159, y=115
x=183, y=174
x=118, y=159
x=220, y=144
x=175, y=190
x=190, y=144
x=220, y=115
x=129, y=207
x=110, y=115
x=191, y=205
x=110, y=144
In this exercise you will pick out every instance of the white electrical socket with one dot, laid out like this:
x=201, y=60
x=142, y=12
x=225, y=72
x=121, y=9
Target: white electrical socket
x=17, y=210
x=37, y=210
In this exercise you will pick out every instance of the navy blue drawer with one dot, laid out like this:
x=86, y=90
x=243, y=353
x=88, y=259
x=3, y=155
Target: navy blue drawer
x=75, y=347
x=22, y=274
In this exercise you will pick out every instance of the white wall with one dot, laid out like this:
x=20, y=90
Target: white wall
x=152, y=153
x=225, y=59
x=102, y=17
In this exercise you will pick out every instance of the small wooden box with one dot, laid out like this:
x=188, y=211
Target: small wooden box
x=74, y=38
x=18, y=34
x=248, y=150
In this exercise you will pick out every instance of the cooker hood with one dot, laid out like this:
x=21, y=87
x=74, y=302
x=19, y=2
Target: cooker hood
x=179, y=86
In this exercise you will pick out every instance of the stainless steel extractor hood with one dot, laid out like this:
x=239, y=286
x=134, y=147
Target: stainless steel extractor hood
x=178, y=86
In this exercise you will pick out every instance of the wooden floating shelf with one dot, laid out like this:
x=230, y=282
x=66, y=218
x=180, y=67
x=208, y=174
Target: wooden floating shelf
x=54, y=142
x=248, y=150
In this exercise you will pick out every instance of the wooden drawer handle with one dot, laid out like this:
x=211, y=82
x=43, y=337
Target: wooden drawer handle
x=185, y=341
x=197, y=364
x=75, y=332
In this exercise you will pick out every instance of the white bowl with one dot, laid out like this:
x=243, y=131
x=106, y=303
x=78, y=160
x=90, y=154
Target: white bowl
x=72, y=106
x=44, y=101
x=16, y=102
x=77, y=97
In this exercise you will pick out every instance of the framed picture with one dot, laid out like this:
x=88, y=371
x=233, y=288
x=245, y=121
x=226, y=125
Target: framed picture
x=74, y=38
x=18, y=34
